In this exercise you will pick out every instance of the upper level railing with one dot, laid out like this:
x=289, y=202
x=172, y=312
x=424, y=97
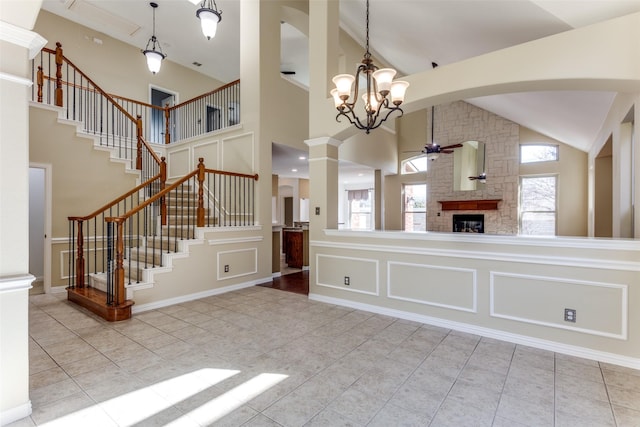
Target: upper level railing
x=211, y=111
x=59, y=82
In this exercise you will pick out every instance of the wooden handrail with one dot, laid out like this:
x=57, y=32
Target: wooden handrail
x=59, y=54
x=241, y=175
x=152, y=199
x=204, y=95
x=114, y=96
x=199, y=171
x=144, y=104
x=116, y=201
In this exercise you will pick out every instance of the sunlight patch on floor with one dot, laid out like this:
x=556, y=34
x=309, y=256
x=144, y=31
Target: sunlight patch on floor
x=229, y=401
x=131, y=408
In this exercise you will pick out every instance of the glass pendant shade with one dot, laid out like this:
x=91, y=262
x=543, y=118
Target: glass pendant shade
x=343, y=84
x=370, y=102
x=154, y=60
x=209, y=19
x=384, y=77
x=398, y=90
x=336, y=98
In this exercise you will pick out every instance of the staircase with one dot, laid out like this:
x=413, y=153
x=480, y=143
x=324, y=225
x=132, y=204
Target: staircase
x=143, y=238
x=120, y=247
x=146, y=257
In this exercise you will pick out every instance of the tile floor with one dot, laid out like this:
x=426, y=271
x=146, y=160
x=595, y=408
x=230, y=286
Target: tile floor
x=264, y=357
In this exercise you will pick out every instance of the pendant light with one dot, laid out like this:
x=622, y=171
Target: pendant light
x=380, y=92
x=209, y=16
x=154, y=57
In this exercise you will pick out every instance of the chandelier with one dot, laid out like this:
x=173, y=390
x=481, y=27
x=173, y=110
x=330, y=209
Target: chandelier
x=380, y=92
x=209, y=16
x=154, y=57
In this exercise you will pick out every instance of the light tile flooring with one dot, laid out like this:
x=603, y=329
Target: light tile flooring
x=264, y=357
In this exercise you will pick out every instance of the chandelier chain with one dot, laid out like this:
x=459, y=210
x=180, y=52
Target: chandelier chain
x=367, y=53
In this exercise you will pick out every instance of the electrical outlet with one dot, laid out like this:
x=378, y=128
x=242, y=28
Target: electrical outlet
x=570, y=315
x=226, y=268
x=346, y=280
x=317, y=210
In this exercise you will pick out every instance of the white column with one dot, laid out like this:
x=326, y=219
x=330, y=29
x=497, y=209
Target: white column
x=18, y=46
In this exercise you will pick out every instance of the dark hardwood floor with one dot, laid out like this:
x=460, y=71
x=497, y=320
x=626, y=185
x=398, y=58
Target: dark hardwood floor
x=294, y=282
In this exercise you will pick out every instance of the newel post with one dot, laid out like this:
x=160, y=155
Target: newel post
x=139, y=135
x=80, y=257
x=59, y=57
x=40, y=82
x=119, y=273
x=200, y=211
x=167, y=128
x=163, y=201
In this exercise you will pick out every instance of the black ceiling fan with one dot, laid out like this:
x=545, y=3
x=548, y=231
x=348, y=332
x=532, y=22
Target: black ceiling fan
x=433, y=150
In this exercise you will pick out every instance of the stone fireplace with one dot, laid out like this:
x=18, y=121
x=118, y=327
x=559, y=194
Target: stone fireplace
x=468, y=223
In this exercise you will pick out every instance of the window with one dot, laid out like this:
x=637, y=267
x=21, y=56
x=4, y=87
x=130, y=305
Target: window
x=538, y=153
x=360, y=209
x=414, y=164
x=414, y=207
x=538, y=205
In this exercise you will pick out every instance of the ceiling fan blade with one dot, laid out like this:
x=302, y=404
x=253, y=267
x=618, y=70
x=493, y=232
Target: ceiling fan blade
x=452, y=146
x=413, y=151
x=446, y=151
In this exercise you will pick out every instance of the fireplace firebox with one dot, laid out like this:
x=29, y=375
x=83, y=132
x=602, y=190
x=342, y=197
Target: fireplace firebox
x=468, y=223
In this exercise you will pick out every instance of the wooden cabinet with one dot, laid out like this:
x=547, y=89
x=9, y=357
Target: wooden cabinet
x=293, y=248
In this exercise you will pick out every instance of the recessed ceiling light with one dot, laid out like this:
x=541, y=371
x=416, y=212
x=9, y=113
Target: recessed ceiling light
x=294, y=170
x=359, y=174
x=302, y=158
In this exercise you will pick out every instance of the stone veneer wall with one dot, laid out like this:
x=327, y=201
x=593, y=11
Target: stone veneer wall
x=458, y=122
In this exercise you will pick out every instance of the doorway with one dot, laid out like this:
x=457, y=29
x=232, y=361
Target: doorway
x=40, y=227
x=157, y=124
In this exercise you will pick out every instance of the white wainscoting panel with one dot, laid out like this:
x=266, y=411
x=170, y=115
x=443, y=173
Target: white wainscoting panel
x=526, y=298
x=241, y=262
x=448, y=287
x=362, y=273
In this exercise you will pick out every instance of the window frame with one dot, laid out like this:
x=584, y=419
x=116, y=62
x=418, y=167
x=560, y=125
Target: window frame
x=521, y=212
x=404, y=204
x=555, y=146
x=371, y=212
x=411, y=159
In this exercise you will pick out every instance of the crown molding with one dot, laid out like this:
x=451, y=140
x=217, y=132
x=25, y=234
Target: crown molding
x=22, y=37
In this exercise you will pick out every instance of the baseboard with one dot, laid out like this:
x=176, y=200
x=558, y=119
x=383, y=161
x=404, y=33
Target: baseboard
x=139, y=308
x=8, y=416
x=557, y=347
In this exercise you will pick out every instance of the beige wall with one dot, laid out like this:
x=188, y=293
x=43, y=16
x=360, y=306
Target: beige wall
x=84, y=179
x=571, y=170
x=105, y=63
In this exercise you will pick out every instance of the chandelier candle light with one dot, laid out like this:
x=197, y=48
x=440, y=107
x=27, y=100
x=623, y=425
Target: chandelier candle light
x=209, y=16
x=381, y=92
x=154, y=57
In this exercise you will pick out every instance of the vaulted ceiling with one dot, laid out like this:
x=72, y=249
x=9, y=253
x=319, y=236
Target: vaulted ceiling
x=408, y=34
